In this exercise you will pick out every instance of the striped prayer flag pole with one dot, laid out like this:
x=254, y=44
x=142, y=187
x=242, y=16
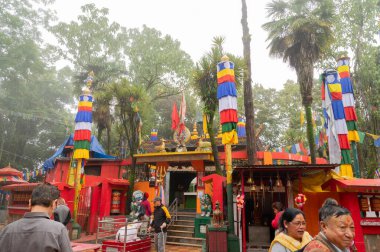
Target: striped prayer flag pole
x=227, y=96
x=333, y=89
x=349, y=107
x=82, y=138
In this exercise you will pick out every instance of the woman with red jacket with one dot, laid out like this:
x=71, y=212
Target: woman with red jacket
x=278, y=210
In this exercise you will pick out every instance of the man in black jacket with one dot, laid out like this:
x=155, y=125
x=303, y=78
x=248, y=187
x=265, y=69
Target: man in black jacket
x=161, y=218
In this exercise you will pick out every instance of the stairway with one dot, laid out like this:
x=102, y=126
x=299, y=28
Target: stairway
x=181, y=231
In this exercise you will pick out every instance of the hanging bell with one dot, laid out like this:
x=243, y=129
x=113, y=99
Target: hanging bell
x=289, y=183
x=278, y=182
x=262, y=187
x=249, y=181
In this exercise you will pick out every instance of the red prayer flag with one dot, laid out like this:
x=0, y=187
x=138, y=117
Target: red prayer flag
x=175, y=117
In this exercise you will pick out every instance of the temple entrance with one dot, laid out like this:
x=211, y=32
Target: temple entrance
x=180, y=188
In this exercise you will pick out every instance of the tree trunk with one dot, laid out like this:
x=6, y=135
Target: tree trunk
x=214, y=147
x=108, y=139
x=131, y=179
x=100, y=133
x=310, y=132
x=248, y=99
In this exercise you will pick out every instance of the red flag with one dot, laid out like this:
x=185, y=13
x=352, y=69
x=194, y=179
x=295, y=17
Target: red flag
x=175, y=117
x=182, y=112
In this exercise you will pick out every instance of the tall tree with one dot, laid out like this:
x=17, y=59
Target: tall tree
x=248, y=100
x=205, y=84
x=131, y=102
x=32, y=94
x=266, y=102
x=93, y=43
x=358, y=27
x=157, y=62
x=300, y=32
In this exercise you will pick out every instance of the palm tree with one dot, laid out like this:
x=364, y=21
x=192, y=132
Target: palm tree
x=205, y=84
x=300, y=33
x=127, y=98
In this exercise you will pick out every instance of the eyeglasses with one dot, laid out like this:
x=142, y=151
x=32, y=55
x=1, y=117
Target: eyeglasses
x=299, y=223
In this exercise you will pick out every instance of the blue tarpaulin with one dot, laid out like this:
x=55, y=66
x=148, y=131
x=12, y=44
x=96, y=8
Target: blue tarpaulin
x=96, y=151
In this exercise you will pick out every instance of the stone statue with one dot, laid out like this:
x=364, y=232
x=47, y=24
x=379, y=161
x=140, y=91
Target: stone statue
x=203, y=146
x=136, y=209
x=206, y=205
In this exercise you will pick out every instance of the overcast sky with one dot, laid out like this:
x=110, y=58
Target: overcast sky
x=194, y=23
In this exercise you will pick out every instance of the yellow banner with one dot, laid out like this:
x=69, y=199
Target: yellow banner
x=85, y=104
x=335, y=88
x=225, y=72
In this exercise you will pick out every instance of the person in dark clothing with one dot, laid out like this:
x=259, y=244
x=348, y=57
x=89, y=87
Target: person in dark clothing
x=36, y=231
x=161, y=218
x=62, y=212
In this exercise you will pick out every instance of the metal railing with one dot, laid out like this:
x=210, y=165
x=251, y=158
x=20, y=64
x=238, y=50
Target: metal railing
x=122, y=230
x=173, y=210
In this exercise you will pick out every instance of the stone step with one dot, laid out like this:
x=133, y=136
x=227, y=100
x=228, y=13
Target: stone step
x=182, y=240
x=184, y=222
x=187, y=213
x=181, y=227
x=181, y=233
x=185, y=244
x=185, y=217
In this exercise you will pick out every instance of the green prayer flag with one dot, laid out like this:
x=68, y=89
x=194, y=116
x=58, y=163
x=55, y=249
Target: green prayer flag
x=361, y=136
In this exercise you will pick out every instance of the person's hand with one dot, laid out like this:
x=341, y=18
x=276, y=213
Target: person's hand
x=163, y=225
x=149, y=229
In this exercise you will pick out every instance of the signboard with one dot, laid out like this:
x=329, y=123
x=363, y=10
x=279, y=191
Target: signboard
x=369, y=222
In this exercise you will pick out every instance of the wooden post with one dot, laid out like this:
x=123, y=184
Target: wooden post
x=230, y=213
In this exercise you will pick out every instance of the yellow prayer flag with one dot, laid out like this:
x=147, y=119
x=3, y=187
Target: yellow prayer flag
x=302, y=118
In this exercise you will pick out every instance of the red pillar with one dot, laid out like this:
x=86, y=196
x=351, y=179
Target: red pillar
x=94, y=210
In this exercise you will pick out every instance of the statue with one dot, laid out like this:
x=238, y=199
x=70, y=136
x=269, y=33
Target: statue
x=161, y=148
x=206, y=205
x=217, y=219
x=181, y=137
x=203, y=146
x=136, y=209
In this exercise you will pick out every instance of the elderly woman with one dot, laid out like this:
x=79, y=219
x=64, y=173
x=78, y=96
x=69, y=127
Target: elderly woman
x=293, y=235
x=337, y=230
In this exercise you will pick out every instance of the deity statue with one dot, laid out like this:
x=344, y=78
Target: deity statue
x=217, y=219
x=181, y=137
x=206, y=205
x=136, y=209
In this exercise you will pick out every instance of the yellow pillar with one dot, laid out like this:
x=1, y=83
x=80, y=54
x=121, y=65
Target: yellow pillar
x=77, y=188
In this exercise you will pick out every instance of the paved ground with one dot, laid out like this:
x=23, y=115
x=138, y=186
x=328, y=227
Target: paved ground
x=170, y=248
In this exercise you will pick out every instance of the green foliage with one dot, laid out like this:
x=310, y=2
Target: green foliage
x=356, y=28
x=33, y=95
x=300, y=33
x=157, y=62
x=205, y=85
x=266, y=104
x=93, y=43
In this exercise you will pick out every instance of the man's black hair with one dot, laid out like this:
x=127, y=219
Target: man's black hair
x=44, y=195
